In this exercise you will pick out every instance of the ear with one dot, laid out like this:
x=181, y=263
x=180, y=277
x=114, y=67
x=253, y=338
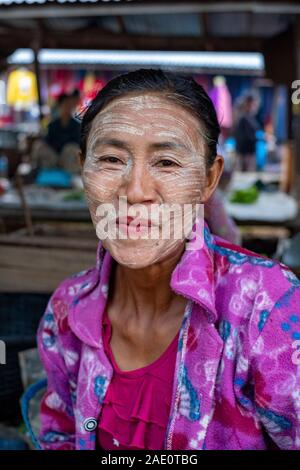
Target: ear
x=213, y=176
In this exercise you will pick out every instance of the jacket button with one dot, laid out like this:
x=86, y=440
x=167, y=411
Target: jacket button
x=90, y=424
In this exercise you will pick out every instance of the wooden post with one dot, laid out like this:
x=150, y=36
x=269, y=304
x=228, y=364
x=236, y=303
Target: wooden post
x=36, y=48
x=25, y=207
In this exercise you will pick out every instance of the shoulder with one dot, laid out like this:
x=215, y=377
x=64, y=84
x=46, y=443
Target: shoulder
x=246, y=259
x=55, y=318
x=256, y=287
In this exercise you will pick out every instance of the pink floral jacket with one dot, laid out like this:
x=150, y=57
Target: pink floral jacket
x=237, y=374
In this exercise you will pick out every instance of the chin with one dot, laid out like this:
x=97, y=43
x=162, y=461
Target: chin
x=139, y=254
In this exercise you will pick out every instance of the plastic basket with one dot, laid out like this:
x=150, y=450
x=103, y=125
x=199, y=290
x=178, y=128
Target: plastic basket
x=19, y=318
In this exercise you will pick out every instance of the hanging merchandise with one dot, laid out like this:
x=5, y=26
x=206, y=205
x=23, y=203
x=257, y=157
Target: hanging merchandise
x=90, y=87
x=60, y=81
x=2, y=93
x=22, y=90
x=222, y=101
x=5, y=111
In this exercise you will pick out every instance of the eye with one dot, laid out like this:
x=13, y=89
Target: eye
x=109, y=159
x=166, y=162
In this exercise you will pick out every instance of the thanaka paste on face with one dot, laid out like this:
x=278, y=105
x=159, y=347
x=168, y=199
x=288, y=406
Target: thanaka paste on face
x=139, y=121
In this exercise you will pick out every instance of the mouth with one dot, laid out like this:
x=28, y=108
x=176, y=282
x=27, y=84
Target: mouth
x=134, y=226
x=134, y=222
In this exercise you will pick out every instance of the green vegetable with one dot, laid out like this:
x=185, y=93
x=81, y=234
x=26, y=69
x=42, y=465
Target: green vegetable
x=245, y=196
x=77, y=195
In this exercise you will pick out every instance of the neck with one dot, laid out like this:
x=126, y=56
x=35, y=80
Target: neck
x=146, y=292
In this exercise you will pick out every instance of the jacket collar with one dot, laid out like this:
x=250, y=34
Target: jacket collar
x=193, y=278
x=194, y=275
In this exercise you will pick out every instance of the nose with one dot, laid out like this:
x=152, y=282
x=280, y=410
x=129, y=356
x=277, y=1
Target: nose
x=139, y=186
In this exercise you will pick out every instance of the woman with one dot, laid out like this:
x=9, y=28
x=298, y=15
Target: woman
x=166, y=343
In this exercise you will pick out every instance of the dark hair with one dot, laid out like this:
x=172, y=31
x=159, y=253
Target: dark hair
x=75, y=93
x=180, y=89
x=62, y=98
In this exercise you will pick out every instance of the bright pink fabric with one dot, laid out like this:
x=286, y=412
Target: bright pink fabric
x=136, y=407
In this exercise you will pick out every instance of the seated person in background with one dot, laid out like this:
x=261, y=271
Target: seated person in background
x=65, y=129
x=75, y=100
x=61, y=144
x=245, y=132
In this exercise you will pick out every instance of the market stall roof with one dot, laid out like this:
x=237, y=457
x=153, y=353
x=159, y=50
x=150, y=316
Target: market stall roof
x=143, y=25
x=149, y=6
x=168, y=31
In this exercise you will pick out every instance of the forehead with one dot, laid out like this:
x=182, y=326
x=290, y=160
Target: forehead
x=147, y=115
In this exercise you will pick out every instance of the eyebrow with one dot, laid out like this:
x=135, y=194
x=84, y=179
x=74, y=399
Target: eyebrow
x=168, y=146
x=154, y=146
x=113, y=142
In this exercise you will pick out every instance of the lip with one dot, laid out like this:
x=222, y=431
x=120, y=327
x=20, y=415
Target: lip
x=139, y=222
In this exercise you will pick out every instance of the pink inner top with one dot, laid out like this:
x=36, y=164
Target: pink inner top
x=136, y=407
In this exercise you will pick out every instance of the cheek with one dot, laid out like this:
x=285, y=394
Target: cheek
x=183, y=186
x=98, y=187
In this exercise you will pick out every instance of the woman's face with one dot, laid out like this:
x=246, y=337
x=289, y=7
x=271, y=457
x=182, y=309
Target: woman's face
x=144, y=154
